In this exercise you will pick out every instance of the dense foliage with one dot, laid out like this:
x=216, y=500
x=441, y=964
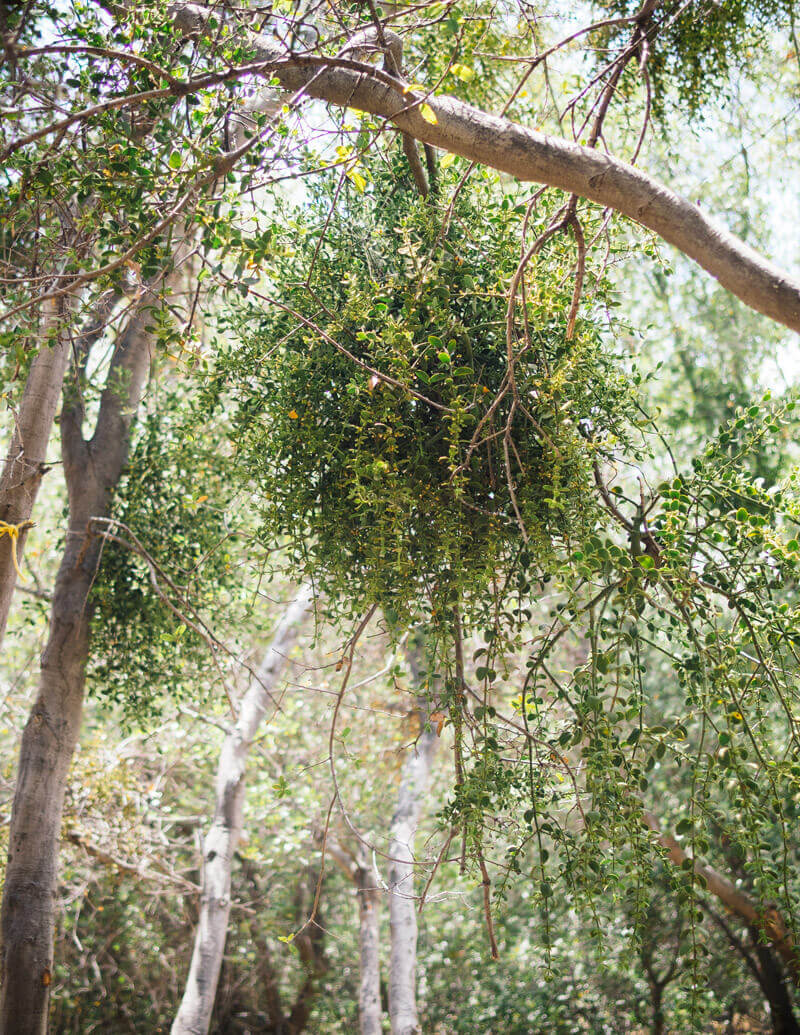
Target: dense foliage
x=697, y=50
x=169, y=564
x=397, y=455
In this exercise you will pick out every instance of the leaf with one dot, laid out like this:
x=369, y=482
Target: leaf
x=175, y=160
x=357, y=179
x=447, y=160
x=437, y=720
x=463, y=72
x=427, y=112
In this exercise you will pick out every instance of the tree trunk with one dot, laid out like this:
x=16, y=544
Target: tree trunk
x=92, y=471
x=369, y=986
x=355, y=865
x=194, y=1014
x=414, y=782
x=773, y=985
x=310, y=945
x=657, y=1001
x=25, y=465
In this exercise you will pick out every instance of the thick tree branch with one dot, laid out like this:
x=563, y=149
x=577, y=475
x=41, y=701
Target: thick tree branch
x=530, y=156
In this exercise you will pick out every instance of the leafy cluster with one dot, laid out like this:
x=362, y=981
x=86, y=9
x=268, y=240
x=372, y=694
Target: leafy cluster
x=687, y=677
x=171, y=504
x=694, y=48
x=397, y=452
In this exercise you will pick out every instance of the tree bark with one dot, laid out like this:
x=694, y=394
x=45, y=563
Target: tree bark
x=657, y=1002
x=369, y=985
x=310, y=945
x=25, y=465
x=368, y=894
x=414, y=782
x=529, y=156
x=194, y=1014
x=92, y=471
x=773, y=985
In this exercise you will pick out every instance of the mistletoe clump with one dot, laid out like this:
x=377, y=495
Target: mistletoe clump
x=402, y=450
x=167, y=564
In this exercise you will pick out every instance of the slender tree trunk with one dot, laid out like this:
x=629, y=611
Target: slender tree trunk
x=25, y=465
x=773, y=984
x=657, y=1001
x=414, y=782
x=194, y=1014
x=369, y=986
x=368, y=894
x=92, y=471
x=310, y=945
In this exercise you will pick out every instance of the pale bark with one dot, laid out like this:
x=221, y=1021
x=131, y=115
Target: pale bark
x=414, y=782
x=369, y=983
x=532, y=157
x=766, y=920
x=194, y=1014
x=368, y=895
x=25, y=464
x=92, y=471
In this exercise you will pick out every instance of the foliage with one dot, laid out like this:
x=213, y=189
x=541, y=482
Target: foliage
x=394, y=454
x=697, y=49
x=108, y=201
x=604, y=740
x=173, y=503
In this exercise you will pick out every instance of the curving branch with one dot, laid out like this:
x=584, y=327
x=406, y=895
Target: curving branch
x=529, y=156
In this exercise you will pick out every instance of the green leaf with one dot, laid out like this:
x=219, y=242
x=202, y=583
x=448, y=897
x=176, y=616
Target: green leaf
x=357, y=180
x=464, y=72
x=427, y=112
